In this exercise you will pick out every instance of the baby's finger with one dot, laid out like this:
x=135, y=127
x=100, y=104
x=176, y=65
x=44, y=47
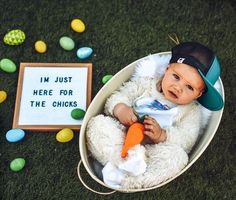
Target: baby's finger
x=148, y=121
x=135, y=113
x=134, y=118
x=148, y=133
x=129, y=122
x=126, y=123
x=148, y=127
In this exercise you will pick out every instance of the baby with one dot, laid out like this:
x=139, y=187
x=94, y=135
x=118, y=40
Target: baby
x=172, y=123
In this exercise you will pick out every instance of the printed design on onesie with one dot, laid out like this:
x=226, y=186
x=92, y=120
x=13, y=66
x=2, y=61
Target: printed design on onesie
x=157, y=105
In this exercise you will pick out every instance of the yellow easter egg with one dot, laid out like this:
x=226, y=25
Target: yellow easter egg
x=3, y=96
x=65, y=135
x=40, y=46
x=77, y=25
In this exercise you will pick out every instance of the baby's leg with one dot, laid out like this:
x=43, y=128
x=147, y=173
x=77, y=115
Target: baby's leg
x=163, y=162
x=105, y=137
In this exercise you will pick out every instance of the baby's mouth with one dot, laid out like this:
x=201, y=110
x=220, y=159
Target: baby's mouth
x=172, y=94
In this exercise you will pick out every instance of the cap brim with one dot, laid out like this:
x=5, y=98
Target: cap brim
x=211, y=99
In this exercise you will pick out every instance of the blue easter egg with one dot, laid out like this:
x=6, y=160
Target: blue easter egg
x=84, y=52
x=15, y=135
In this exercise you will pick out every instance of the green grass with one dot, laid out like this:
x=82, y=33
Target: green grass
x=119, y=32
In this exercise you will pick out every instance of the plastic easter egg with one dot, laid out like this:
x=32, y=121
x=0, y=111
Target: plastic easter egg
x=65, y=135
x=7, y=65
x=84, y=52
x=3, y=96
x=14, y=37
x=17, y=164
x=15, y=135
x=66, y=43
x=77, y=113
x=40, y=46
x=77, y=25
x=106, y=78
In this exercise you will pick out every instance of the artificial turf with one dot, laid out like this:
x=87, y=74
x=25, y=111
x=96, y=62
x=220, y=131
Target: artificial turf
x=119, y=32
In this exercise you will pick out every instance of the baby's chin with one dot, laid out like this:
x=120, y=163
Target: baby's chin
x=177, y=101
x=174, y=101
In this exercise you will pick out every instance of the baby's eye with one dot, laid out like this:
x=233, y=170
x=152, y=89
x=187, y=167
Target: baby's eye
x=176, y=76
x=190, y=87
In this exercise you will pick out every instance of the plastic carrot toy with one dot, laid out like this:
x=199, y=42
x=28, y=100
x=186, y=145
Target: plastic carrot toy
x=134, y=136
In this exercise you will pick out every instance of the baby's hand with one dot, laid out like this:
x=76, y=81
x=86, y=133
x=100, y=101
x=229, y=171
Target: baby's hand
x=153, y=130
x=125, y=114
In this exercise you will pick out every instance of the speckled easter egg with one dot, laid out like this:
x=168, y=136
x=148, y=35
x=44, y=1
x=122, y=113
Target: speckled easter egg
x=14, y=37
x=17, y=164
x=106, y=78
x=77, y=113
x=3, y=96
x=65, y=135
x=66, y=43
x=7, y=65
x=77, y=25
x=84, y=52
x=40, y=46
x=15, y=135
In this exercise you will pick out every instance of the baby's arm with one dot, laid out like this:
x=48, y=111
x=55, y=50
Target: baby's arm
x=120, y=103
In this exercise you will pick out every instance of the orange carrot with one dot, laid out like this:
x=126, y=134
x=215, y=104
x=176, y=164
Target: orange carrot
x=134, y=136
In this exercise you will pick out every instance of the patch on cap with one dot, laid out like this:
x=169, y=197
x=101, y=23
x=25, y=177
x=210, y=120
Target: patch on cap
x=180, y=60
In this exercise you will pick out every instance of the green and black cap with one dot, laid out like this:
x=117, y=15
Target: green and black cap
x=205, y=61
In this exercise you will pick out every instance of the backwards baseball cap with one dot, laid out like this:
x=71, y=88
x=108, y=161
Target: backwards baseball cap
x=208, y=66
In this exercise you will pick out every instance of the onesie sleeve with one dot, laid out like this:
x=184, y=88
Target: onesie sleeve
x=186, y=128
x=127, y=93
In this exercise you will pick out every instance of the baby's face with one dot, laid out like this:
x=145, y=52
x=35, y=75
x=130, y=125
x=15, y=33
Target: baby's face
x=182, y=83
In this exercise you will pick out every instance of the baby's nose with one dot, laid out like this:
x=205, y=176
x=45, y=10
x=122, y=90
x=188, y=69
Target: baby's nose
x=178, y=88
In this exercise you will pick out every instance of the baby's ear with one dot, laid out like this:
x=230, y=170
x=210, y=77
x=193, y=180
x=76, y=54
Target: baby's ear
x=167, y=67
x=203, y=90
x=200, y=94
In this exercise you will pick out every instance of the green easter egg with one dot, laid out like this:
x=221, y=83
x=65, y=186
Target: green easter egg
x=17, y=164
x=7, y=65
x=67, y=43
x=106, y=78
x=14, y=37
x=77, y=113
